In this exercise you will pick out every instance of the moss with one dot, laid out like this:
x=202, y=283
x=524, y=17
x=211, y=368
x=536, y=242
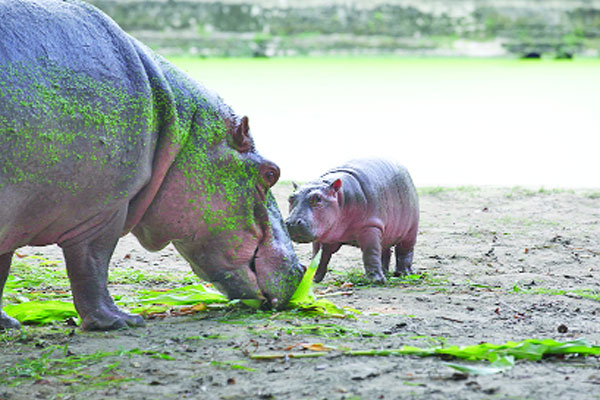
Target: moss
x=53, y=116
x=55, y=122
x=220, y=181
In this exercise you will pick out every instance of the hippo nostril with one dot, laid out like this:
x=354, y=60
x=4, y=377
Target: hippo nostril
x=294, y=223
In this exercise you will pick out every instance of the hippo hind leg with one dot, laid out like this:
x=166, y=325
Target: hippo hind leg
x=386, y=254
x=404, y=260
x=87, y=267
x=6, y=322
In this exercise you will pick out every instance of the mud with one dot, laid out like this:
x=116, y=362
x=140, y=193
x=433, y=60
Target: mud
x=496, y=264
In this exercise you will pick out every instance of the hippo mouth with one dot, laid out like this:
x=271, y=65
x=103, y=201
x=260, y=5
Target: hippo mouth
x=300, y=231
x=267, y=302
x=301, y=236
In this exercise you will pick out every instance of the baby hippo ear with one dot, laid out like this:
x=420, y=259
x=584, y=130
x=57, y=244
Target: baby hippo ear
x=241, y=136
x=295, y=185
x=336, y=185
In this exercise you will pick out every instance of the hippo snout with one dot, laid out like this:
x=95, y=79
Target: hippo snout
x=300, y=231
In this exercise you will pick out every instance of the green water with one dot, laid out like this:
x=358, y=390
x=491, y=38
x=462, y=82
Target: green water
x=451, y=121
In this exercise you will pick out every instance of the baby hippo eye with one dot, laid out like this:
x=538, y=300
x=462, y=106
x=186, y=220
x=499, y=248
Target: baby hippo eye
x=315, y=200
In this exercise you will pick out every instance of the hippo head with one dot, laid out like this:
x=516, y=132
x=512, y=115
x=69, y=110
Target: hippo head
x=216, y=207
x=314, y=210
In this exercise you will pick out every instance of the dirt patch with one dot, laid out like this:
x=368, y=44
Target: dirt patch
x=496, y=265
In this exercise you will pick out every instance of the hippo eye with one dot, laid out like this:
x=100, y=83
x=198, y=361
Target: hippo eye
x=270, y=176
x=315, y=200
x=270, y=173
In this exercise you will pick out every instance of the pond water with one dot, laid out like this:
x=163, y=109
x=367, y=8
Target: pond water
x=450, y=121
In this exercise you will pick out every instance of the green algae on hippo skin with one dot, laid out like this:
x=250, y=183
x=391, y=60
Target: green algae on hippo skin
x=94, y=136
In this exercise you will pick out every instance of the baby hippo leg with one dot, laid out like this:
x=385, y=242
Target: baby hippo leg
x=386, y=254
x=404, y=259
x=370, y=244
x=328, y=251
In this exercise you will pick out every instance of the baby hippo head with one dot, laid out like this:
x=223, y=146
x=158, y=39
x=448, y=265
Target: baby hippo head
x=314, y=210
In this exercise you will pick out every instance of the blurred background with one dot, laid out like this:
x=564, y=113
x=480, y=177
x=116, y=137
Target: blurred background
x=463, y=92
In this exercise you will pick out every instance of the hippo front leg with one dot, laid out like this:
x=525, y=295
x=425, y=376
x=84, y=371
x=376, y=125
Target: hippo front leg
x=328, y=251
x=370, y=245
x=6, y=322
x=87, y=267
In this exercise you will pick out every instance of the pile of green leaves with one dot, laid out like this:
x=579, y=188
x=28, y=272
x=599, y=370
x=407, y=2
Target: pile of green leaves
x=304, y=298
x=161, y=301
x=34, y=292
x=41, y=312
x=46, y=307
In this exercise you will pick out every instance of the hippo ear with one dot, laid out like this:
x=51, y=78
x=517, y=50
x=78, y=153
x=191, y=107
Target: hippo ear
x=241, y=136
x=295, y=185
x=336, y=185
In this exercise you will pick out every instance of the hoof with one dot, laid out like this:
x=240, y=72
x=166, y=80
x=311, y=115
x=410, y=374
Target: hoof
x=400, y=272
x=111, y=322
x=376, y=278
x=135, y=320
x=7, y=322
x=404, y=264
x=319, y=276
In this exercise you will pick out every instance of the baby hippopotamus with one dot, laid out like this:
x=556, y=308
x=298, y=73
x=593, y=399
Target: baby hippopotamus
x=368, y=203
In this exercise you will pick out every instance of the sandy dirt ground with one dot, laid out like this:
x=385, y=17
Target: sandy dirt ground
x=497, y=265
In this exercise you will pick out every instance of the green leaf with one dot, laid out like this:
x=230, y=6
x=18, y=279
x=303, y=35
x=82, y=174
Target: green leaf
x=187, y=295
x=41, y=312
x=304, y=298
x=324, y=308
x=252, y=303
x=304, y=293
x=501, y=364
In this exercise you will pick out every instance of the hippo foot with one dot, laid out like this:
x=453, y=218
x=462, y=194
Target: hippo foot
x=110, y=321
x=376, y=277
x=400, y=272
x=404, y=264
x=7, y=322
x=319, y=276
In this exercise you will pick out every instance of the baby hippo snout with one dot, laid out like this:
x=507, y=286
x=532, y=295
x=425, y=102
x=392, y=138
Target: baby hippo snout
x=299, y=230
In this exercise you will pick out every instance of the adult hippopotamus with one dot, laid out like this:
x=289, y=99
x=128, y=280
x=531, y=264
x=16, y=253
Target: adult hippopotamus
x=99, y=137
x=369, y=203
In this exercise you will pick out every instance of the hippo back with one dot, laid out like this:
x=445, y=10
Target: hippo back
x=77, y=120
x=381, y=189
